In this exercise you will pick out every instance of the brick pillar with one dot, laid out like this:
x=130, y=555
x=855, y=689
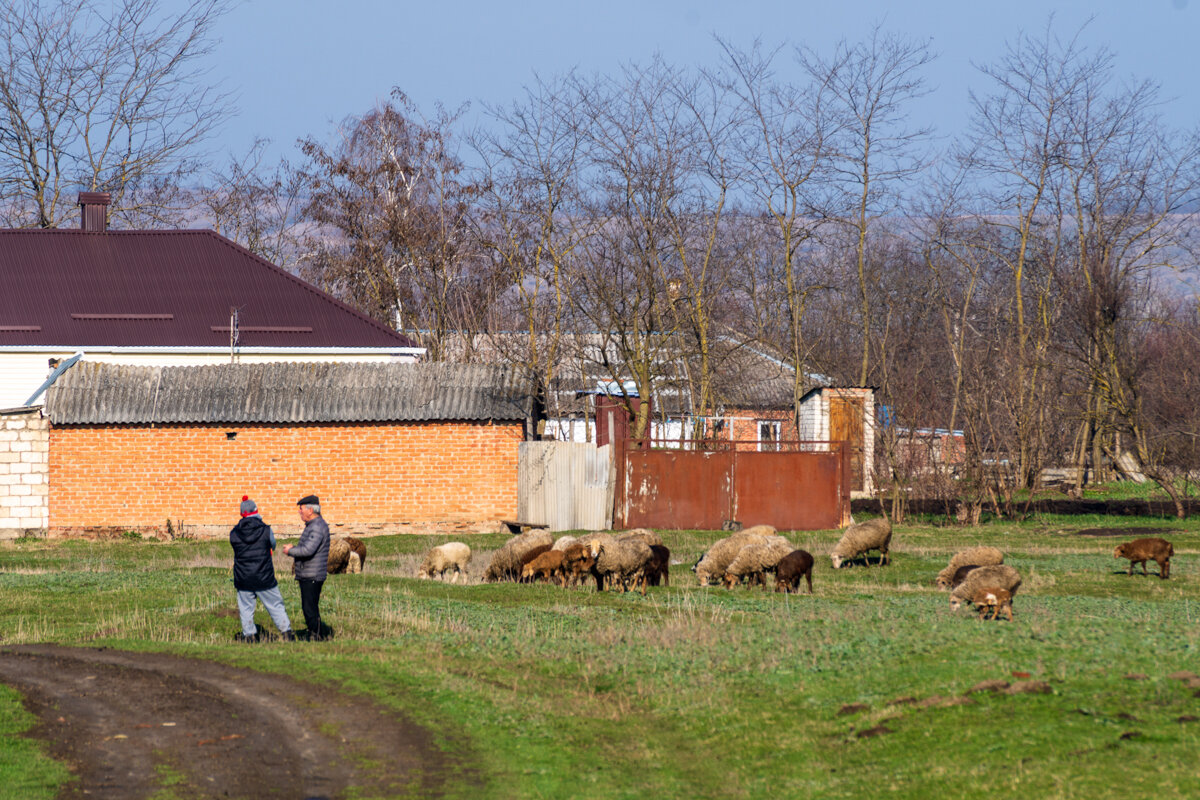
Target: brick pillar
x=24, y=473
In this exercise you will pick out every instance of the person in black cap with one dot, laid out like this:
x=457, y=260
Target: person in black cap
x=311, y=556
x=254, y=573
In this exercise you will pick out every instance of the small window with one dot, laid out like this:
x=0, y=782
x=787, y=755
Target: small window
x=768, y=435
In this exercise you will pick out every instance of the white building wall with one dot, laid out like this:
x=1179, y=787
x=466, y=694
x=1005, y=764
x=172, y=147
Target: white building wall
x=24, y=473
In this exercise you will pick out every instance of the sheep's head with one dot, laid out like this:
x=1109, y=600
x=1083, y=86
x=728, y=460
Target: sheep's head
x=1119, y=552
x=595, y=547
x=955, y=602
x=837, y=561
x=730, y=580
x=527, y=570
x=423, y=573
x=942, y=583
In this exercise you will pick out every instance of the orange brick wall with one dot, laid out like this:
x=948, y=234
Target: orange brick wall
x=105, y=478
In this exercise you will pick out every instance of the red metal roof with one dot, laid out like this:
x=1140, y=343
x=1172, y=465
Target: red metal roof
x=75, y=288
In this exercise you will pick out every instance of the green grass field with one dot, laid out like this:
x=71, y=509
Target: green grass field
x=693, y=692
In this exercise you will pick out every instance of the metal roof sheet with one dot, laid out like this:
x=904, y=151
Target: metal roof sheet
x=83, y=289
x=287, y=392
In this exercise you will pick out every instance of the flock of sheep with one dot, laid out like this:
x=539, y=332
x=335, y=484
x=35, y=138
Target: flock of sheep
x=635, y=559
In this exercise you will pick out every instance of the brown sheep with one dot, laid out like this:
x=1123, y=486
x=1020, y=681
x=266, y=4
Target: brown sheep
x=577, y=563
x=992, y=601
x=791, y=568
x=506, y=563
x=1139, y=551
x=546, y=566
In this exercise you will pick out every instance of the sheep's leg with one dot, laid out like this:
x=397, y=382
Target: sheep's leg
x=1164, y=568
x=1144, y=570
x=808, y=576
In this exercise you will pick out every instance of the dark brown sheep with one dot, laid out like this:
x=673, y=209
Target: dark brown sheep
x=527, y=558
x=1139, y=551
x=658, y=571
x=791, y=568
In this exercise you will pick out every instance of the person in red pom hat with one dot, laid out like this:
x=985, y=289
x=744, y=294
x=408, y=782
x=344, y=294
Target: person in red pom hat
x=253, y=542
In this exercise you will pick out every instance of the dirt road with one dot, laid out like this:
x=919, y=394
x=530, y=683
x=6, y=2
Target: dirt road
x=129, y=723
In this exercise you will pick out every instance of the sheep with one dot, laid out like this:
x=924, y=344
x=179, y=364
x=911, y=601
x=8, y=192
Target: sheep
x=992, y=601
x=346, y=554
x=993, y=576
x=577, y=562
x=449, y=556
x=756, y=558
x=624, y=560
x=789, y=570
x=961, y=573
x=548, y=565
x=979, y=556
x=645, y=534
x=860, y=539
x=563, y=542
x=658, y=571
x=506, y=562
x=1139, y=551
x=722, y=553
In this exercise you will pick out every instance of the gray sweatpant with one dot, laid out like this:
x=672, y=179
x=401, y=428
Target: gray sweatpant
x=272, y=601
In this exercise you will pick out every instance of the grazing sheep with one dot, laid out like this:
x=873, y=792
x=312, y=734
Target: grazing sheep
x=506, y=562
x=993, y=576
x=577, y=562
x=547, y=566
x=658, y=571
x=992, y=601
x=961, y=573
x=860, y=539
x=346, y=554
x=722, y=553
x=981, y=556
x=1139, y=551
x=443, y=558
x=792, y=567
x=625, y=561
x=645, y=534
x=563, y=542
x=755, y=559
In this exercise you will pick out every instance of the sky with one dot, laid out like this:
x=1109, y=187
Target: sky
x=298, y=67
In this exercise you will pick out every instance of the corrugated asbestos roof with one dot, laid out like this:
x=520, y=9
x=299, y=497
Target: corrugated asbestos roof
x=95, y=393
x=81, y=289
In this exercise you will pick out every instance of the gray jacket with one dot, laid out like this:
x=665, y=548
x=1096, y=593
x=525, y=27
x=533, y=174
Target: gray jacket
x=312, y=551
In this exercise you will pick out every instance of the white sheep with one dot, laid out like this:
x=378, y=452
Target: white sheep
x=982, y=556
x=722, y=553
x=623, y=561
x=755, y=559
x=861, y=538
x=993, y=576
x=443, y=558
x=645, y=534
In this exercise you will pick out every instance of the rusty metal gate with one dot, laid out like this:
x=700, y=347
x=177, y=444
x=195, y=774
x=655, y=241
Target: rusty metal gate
x=803, y=486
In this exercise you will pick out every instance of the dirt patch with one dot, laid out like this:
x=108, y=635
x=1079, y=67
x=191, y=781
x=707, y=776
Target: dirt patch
x=120, y=721
x=1126, y=532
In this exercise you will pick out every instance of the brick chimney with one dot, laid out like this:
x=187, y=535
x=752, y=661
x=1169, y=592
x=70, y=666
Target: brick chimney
x=94, y=211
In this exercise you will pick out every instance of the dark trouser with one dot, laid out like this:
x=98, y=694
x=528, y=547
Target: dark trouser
x=310, y=604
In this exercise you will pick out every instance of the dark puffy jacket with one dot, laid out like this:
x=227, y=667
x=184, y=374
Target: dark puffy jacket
x=252, y=568
x=312, y=551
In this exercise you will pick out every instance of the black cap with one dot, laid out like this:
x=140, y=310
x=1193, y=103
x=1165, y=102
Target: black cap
x=308, y=500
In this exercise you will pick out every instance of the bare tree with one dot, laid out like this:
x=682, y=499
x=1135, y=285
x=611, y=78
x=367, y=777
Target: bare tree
x=392, y=210
x=873, y=150
x=101, y=97
x=255, y=206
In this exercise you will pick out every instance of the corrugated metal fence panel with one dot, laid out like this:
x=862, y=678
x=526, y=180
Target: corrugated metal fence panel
x=565, y=485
